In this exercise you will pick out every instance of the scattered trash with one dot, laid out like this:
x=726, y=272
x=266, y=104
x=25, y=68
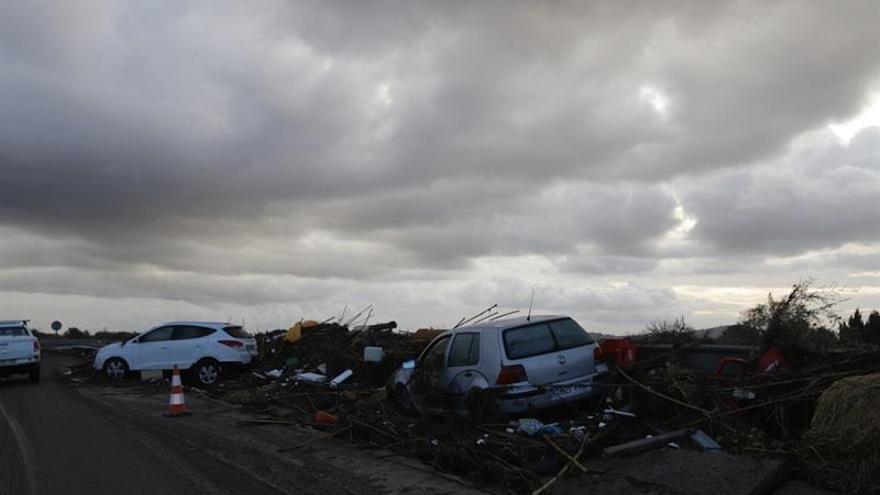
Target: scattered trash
x=325, y=418
x=345, y=375
x=529, y=426
x=373, y=354
x=310, y=377
x=704, y=441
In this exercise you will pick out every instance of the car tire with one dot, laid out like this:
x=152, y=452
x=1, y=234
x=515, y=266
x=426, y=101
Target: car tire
x=116, y=368
x=34, y=375
x=207, y=372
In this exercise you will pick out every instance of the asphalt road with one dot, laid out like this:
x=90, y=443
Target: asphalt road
x=54, y=440
x=57, y=437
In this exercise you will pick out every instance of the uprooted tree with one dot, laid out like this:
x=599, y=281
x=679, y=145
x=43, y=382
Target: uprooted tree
x=797, y=323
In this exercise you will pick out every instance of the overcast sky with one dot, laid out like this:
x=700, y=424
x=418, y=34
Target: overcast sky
x=268, y=161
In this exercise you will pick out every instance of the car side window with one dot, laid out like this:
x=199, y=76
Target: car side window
x=465, y=350
x=188, y=332
x=157, y=335
x=434, y=357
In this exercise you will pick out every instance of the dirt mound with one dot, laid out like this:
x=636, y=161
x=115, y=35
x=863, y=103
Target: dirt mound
x=841, y=445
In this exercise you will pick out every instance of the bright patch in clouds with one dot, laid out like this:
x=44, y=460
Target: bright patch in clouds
x=867, y=117
x=655, y=98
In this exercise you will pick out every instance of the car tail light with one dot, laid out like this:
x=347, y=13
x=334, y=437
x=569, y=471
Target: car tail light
x=231, y=343
x=511, y=374
x=36, y=347
x=598, y=354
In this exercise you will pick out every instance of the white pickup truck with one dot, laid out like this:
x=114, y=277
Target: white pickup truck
x=19, y=350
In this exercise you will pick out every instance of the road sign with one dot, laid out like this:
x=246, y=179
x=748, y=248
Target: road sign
x=56, y=325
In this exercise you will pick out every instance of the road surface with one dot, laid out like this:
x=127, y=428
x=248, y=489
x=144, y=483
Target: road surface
x=67, y=443
x=56, y=438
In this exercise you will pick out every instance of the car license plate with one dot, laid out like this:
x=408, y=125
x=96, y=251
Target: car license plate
x=7, y=362
x=566, y=391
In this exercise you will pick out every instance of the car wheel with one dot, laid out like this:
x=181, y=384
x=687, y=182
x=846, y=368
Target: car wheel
x=34, y=375
x=116, y=368
x=207, y=372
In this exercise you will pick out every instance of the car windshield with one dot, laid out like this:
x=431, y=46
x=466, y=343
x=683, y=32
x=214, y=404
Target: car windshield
x=13, y=332
x=237, y=332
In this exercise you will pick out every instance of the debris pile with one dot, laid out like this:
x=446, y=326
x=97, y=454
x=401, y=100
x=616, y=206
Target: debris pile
x=324, y=352
x=819, y=413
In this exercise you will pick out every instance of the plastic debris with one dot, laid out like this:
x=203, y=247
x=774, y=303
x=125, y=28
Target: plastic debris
x=310, y=377
x=374, y=354
x=345, y=375
x=529, y=426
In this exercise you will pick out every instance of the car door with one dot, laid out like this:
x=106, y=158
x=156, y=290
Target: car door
x=188, y=344
x=461, y=372
x=152, y=350
x=428, y=373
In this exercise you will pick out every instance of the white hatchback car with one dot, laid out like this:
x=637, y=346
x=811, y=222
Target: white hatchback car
x=202, y=347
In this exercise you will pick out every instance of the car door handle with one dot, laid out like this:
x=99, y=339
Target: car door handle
x=163, y=348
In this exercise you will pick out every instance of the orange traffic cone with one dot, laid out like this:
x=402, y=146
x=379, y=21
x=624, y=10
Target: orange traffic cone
x=177, y=404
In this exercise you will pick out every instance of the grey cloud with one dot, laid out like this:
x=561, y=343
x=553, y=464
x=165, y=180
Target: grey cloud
x=821, y=199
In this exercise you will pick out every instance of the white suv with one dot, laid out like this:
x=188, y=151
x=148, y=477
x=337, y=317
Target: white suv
x=203, y=347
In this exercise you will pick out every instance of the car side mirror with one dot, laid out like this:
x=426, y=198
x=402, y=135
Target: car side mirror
x=410, y=365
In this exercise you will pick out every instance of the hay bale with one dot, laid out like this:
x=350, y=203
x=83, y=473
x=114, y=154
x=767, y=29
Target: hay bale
x=840, y=448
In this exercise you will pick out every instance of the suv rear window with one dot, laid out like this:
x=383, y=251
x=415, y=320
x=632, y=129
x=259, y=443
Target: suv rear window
x=542, y=338
x=237, y=332
x=13, y=332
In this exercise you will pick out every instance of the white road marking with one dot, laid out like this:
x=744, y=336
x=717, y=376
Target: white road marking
x=24, y=448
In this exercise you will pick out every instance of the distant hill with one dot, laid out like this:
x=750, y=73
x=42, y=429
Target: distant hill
x=712, y=333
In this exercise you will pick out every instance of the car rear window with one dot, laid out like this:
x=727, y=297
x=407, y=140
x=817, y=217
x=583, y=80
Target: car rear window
x=13, y=332
x=528, y=341
x=542, y=338
x=237, y=332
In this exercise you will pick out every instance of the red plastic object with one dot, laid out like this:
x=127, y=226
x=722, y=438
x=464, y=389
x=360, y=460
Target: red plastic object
x=772, y=361
x=324, y=418
x=728, y=362
x=624, y=352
